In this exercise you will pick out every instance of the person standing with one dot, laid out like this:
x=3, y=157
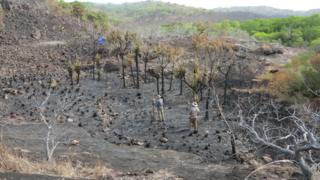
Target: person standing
x=159, y=107
x=194, y=111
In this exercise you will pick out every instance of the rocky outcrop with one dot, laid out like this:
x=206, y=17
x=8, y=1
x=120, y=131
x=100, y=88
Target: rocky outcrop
x=268, y=50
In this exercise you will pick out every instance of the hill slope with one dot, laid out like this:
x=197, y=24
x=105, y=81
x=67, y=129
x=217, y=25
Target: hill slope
x=268, y=11
x=149, y=15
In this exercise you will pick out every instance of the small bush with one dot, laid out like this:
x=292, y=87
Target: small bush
x=315, y=62
x=280, y=83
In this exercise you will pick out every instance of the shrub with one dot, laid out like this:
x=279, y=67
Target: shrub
x=281, y=83
x=315, y=44
x=315, y=62
x=311, y=82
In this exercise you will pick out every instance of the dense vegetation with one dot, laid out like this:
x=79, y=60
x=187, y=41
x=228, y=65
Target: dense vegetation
x=299, y=79
x=214, y=29
x=291, y=31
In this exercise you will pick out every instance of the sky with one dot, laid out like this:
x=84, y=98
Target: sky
x=209, y=4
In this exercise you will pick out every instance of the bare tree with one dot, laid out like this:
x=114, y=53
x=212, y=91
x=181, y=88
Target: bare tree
x=225, y=120
x=291, y=132
x=62, y=105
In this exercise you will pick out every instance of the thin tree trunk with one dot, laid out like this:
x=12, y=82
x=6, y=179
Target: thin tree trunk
x=123, y=74
x=225, y=88
x=78, y=78
x=158, y=89
x=137, y=68
x=181, y=86
x=132, y=76
x=207, y=104
x=171, y=78
x=94, y=60
x=145, y=71
x=93, y=70
x=162, y=81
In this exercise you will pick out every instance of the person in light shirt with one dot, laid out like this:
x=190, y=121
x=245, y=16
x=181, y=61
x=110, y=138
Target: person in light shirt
x=194, y=111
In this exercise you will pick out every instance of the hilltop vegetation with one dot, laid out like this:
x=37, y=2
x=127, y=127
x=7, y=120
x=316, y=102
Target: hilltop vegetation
x=168, y=18
x=269, y=11
x=82, y=11
x=290, y=31
x=148, y=8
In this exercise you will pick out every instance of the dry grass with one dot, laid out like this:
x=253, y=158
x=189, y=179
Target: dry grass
x=10, y=161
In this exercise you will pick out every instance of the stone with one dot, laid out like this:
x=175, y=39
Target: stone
x=164, y=139
x=149, y=171
x=267, y=158
x=70, y=120
x=36, y=34
x=75, y=142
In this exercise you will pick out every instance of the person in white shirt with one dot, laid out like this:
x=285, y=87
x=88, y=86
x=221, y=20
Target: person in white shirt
x=194, y=111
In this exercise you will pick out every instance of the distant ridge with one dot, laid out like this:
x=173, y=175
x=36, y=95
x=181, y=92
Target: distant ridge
x=152, y=14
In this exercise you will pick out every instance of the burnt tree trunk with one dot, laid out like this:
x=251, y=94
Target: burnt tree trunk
x=181, y=85
x=123, y=72
x=171, y=78
x=201, y=93
x=78, y=78
x=158, y=89
x=132, y=76
x=207, y=104
x=145, y=71
x=137, y=66
x=94, y=61
x=5, y=5
x=162, y=81
x=226, y=83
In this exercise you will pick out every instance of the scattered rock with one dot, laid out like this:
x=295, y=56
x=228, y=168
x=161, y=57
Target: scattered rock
x=164, y=140
x=36, y=34
x=272, y=71
x=253, y=163
x=10, y=91
x=267, y=158
x=75, y=142
x=70, y=120
x=149, y=171
x=136, y=142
